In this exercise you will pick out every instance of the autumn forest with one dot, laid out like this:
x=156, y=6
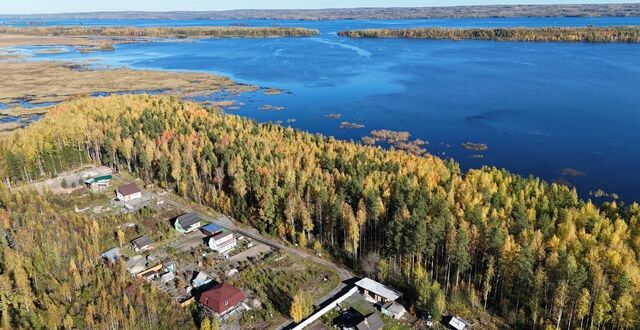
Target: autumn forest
x=531, y=252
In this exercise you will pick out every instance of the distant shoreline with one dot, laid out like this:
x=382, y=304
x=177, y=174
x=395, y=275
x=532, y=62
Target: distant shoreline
x=479, y=11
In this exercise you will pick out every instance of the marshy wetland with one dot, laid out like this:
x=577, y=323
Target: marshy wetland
x=539, y=108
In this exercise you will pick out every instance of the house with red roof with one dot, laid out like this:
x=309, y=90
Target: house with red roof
x=221, y=298
x=128, y=192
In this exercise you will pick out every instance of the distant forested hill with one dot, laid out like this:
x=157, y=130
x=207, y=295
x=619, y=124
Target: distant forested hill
x=577, y=10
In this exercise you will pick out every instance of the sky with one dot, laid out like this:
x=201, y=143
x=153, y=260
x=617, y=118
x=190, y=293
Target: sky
x=65, y=6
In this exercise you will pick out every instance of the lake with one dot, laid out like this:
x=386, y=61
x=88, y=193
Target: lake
x=540, y=107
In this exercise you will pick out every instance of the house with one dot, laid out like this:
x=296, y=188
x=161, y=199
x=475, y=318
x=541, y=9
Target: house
x=211, y=229
x=112, y=255
x=142, y=243
x=371, y=322
x=222, y=242
x=99, y=182
x=376, y=292
x=128, y=192
x=458, y=323
x=201, y=279
x=221, y=298
x=188, y=222
x=393, y=309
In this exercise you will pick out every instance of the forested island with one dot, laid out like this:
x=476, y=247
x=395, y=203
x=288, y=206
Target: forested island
x=629, y=34
x=485, y=240
x=162, y=32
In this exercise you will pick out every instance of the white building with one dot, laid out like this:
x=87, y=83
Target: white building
x=222, y=242
x=128, y=192
x=459, y=323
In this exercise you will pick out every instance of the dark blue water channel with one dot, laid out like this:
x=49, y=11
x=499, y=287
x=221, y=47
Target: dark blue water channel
x=540, y=107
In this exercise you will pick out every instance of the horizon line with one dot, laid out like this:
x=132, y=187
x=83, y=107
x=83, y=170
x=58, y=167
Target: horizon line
x=321, y=8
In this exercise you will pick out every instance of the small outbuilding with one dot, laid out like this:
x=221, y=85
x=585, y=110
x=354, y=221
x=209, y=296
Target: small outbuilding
x=128, y=192
x=393, y=309
x=170, y=266
x=188, y=222
x=458, y=323
x=201, y=279
x=221, y=298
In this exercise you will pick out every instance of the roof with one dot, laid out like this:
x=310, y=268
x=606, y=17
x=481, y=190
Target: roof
x=220, y=236
x=458, y=323
x=393, y=307
x=379, y=289
x=371, y=322
x=221, y=297
x=99, y=178
x=188, y=219
x=141, y=241
x=129, y=189
x=201, y=279
x=212, y=228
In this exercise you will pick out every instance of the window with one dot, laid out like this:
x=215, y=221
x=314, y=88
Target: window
x=226, y=302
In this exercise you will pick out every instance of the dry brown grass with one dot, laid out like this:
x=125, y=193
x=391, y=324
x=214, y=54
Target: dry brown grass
x=41, y=82
x=12, y=40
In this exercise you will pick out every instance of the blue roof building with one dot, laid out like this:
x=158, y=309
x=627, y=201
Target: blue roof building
x=211, y=229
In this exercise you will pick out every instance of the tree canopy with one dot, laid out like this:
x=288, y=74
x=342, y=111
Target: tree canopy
x=530, y=251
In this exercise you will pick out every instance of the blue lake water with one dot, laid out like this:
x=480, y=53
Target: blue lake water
x=540, y=107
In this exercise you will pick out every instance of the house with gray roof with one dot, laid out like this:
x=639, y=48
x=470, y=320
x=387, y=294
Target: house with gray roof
x=142, y=243
x=188, y=222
